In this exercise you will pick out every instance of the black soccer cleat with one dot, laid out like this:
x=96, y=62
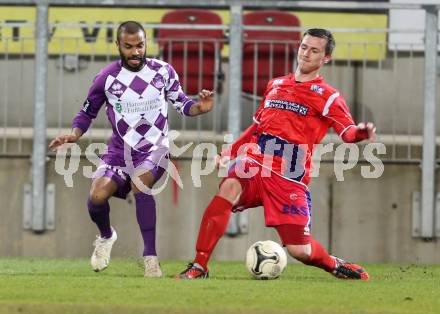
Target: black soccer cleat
x=346, y=270
x=193, y=271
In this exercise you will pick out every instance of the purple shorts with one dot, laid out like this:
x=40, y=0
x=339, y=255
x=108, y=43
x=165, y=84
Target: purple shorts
x=111, y=169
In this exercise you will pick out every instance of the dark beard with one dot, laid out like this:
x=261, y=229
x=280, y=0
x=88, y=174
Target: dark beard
x=125, y=64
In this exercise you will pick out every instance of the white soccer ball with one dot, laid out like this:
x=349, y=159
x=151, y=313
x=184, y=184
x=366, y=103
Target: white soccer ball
x=266, y=260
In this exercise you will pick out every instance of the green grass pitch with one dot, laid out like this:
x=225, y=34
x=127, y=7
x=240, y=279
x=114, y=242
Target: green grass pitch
x=70, y=286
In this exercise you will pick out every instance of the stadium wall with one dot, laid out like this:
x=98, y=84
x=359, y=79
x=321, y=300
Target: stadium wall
x=366, y=220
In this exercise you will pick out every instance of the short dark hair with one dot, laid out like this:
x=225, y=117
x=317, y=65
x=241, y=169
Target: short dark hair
x=130, y=27
x=323, y=33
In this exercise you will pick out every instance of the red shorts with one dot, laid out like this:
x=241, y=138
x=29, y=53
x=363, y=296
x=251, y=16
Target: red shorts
x=293, y=234
x=285, y=202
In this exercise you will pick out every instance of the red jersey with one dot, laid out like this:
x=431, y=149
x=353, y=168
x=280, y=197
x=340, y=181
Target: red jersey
x=298, y=113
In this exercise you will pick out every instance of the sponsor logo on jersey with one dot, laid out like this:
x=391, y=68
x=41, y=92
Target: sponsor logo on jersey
x=117, y=86
x=86, y=105
x=138, y=107
x=158, y=82
x=118, y=107
x=117, y=170
x=278, y=82
x=316, y=88
x=286, y=105
x=116, y=89
x=293, y=210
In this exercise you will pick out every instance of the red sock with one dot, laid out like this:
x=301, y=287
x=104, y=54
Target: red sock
x=320, y=258
x=213, y=226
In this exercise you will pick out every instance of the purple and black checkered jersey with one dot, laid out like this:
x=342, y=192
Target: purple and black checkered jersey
x=136, y=105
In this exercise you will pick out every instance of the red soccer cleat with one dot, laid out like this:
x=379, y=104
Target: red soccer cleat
x=346, y=270
x=193, y=271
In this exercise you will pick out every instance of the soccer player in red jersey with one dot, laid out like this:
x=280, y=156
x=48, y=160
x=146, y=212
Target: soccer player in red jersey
x=273, y=159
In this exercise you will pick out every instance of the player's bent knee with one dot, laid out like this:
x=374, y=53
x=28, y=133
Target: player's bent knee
x=102, y=189
x=98, y=197
x=299, y=252
x=230, y=189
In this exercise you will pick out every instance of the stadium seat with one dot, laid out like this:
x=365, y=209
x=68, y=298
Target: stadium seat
x=267, y=53
x=194, y=53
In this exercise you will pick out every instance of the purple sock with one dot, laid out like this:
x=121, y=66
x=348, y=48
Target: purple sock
x=100, y=215
x=146, y=217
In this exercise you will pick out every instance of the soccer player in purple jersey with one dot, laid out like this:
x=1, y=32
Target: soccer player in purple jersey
x=136, y=91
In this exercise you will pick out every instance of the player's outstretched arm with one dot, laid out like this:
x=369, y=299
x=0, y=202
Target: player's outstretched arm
x=67, y=138
x=204, y=105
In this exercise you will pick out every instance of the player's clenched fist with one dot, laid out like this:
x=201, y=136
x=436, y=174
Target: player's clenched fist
x=369, y=128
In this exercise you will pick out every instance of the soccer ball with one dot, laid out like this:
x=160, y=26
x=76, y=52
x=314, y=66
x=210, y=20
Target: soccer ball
x=266, y=260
